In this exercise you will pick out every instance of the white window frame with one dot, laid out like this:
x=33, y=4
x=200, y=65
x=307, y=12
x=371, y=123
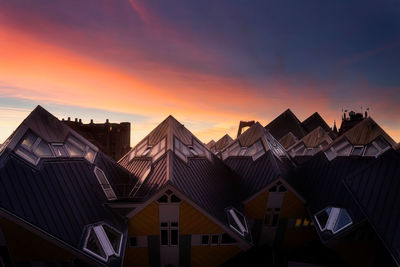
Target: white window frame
x=105, y=190
x=104, y=242
x=243, y=228
x=333, y=217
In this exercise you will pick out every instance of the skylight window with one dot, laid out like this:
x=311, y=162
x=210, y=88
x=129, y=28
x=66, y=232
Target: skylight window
x=237, y=221
x=103, y=241
x=59, y=150
x=78, y=148
x=139, y=183
x=101, y=177
x=333, y=219
x=357, y=151
x=32, y=148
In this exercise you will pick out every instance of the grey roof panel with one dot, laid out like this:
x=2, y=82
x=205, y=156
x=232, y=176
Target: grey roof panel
x=376, y=189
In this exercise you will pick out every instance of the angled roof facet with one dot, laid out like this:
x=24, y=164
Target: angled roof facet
x=321, y=183
x=376, y=190
x=188, y=165
x=61, y=195
x=284, y=123
x=364, y=133
x=314, y=121
x=257, y=158
x=222, y=143
x=288, y=140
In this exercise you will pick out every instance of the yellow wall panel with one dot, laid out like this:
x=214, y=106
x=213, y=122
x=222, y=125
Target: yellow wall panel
x=193, y=222
x=136, y=257
x=145, y=222
x=212, y=255
x=293, y=207
x=24, y=245
x=255, y=208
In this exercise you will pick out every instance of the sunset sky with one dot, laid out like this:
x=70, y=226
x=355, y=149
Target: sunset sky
x=208, y=63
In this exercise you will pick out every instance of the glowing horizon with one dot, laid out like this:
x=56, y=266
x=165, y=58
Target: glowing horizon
x=138, y=61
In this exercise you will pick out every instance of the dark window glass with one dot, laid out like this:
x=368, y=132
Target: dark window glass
x=322, y=218
x=164, y=224
x=267, y=219
x=272, y=189
x=164, y=237
x=204, y=239
x=275, y=220
x=93, y=244
x=227, y=239
x=282, y=189
x=163, y=199
x=214, y=239
x=132, y=241
x=174, y=237
x=174, y=224
x=114, y=237
x=175, y=199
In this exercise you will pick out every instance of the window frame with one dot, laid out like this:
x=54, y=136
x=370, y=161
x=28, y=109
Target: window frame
x=104, y=242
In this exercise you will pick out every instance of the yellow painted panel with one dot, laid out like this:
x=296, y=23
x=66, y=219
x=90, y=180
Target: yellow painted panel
x=24, y=245
x=193, y=222
x=212, y=255
x=255, y=208
x=145, y=222
x=293, y=207
x=136, y=257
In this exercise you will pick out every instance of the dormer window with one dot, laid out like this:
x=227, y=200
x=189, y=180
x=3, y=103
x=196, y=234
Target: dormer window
x=78, y=148
x=105, y=184
x=32, y=148
x=103, y=241
x=333, y=219
x=139, y=183
x=237, y=221
x=357, y=151
x=194, y=153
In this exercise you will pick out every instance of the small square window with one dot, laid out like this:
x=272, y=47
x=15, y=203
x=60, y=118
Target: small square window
x=214, y=239
x=132, y=241
x=204, y=239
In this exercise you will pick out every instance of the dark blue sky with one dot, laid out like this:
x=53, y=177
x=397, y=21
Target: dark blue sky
x=306, y=55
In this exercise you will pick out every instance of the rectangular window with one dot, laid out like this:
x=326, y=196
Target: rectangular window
x=133, y=241
x=169, y=233
x=164, y=237
x=272, y=217
x=214, y=239
x=204, y=239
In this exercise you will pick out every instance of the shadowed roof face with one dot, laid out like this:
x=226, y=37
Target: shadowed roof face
x=182, y=160
x=284, y=123
x=314, y=121
x=321, y=183
x=376, y=188
x=60, y=195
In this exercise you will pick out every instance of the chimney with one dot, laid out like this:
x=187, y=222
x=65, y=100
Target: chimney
x=91, y=121
x=366, y=114
x=107, y=121
x=80, y=121
x=76, y=119
x=69, y=118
